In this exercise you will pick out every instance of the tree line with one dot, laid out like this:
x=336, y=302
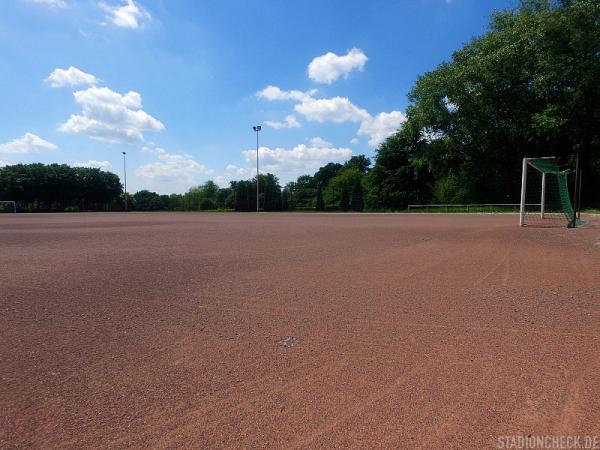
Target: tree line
x=526, y=88
x=240, y=196
x=59, y=187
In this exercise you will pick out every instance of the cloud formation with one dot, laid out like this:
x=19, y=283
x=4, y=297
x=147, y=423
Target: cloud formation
x=70, y=77
x=285, y=163
x=112, y=117
x=234, y=172
x=274, y=93
x=320, y=142
x=93, y=164
x=300, y=159
x=336, y=109
x=290, y=122
x=329, y=67
x=381, y=126
x=29, y=143
x=221, y=180
x=129, y=15
x=172, y=169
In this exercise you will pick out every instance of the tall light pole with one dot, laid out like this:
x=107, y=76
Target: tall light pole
x=125, y=176
x=257, y=128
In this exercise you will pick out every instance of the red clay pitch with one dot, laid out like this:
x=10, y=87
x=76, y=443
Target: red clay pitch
x=291, y=330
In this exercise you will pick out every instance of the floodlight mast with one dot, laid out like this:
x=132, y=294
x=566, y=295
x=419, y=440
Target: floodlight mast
x=257, y=128
x=125, y=177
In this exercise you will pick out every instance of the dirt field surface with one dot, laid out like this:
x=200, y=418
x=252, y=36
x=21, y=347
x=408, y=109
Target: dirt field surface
x=295, y=331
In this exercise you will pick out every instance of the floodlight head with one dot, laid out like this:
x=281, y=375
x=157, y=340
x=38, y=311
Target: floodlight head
x=257, y=128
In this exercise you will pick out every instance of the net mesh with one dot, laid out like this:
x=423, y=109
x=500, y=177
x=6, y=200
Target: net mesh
x=547, y=200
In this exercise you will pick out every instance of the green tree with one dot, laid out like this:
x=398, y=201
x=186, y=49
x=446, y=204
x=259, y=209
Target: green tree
x=303, y=192
x=326, y=173
x=528, y=87
x=244, y=194
x=357, y=202
x=210, y=190
x=320, y=204
x=58, y=187
x=399, y=177
x=145, y=200
x=344, y=198
x=360, y=163
x=223, y=198
x=284, y=200
x=270, y=192
x=175, y=202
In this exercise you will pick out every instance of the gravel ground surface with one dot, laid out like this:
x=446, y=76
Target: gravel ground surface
x=295, y=330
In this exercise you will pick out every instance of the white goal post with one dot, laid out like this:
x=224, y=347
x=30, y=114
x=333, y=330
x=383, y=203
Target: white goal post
x=11, y=205
x=544, y=192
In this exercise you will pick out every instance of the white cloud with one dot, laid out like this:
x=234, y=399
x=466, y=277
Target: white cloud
x=70, y=77
x=221, y=180
x=232, y=171
x=93, y=164
x=129, y=15
x=320, y=142
x=336, y=109
x=273, y=93
x=381, y=126
x=112, y=117
x=171, y=170
x=300, y=159
x=286, y=164
x=290, y=122
x=59, y=4
x=3, y=163
x=27, y=144
x=329, y=67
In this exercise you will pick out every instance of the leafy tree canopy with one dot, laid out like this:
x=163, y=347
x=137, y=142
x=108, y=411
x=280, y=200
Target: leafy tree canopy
x=526, y=88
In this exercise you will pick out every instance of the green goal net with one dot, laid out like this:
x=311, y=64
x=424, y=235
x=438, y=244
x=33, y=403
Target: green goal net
x=545, y=197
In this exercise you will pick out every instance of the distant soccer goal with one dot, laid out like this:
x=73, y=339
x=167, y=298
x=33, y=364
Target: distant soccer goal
x=8, y=206
x=545, y=199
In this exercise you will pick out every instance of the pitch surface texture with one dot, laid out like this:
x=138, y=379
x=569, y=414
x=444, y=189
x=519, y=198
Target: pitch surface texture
x=295, y=330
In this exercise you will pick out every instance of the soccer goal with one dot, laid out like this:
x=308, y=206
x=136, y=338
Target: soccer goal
x=8, y=207
x=545, y=199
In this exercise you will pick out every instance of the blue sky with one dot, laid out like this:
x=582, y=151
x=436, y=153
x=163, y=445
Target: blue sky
x=179, y=84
